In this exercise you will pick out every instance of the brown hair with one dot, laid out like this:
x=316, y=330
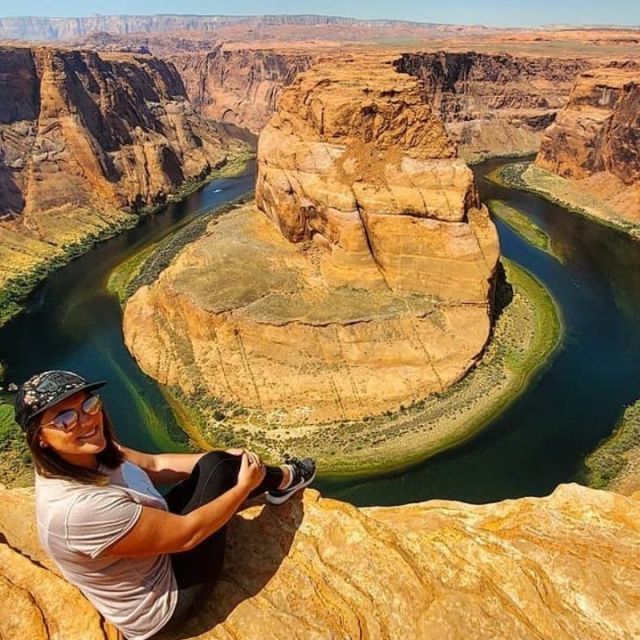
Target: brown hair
x=50, y=465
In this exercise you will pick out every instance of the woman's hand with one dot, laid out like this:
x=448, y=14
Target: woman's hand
x=238, y=452
x=251, y=472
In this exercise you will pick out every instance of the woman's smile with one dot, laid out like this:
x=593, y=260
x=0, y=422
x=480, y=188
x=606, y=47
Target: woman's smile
x=89, y=435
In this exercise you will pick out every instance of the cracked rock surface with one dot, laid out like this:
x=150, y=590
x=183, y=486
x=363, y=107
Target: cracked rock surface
x=560, y=567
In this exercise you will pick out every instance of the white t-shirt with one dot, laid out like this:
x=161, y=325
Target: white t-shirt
x=77, y=522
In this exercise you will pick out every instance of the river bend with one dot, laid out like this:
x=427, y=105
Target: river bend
x=540, y=441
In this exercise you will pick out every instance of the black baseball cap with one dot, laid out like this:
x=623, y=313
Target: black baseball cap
x=45, y=389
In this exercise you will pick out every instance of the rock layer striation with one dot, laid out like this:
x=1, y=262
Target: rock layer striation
x=560, y=567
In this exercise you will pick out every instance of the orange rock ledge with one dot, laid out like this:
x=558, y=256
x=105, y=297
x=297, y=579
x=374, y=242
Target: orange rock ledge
x=561, y=567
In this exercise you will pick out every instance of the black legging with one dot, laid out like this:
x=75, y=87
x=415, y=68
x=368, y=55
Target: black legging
x=196, y=570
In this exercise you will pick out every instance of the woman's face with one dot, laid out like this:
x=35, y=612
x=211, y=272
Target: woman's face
x=79, y=445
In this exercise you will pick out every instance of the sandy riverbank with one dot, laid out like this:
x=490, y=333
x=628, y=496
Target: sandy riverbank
x=569, y=194
x=521, y=224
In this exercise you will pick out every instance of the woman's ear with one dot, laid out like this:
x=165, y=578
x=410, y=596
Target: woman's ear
x=43, y=444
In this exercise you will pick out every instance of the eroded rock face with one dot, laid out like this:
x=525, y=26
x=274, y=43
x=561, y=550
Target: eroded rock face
x=363, y=282
x=91, y=131
x=86, y=141
x=494, y=104
x=357, y=161
x=599, y=130
x=561, y=567
x=595, y=139
x=240, y=86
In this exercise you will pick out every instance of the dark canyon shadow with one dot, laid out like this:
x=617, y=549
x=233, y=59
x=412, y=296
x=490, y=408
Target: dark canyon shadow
x=256, y=548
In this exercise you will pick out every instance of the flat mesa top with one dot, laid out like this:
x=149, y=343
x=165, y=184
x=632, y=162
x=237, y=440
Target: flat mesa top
x=282, y=285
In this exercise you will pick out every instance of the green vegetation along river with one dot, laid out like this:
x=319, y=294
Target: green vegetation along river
x=536, y=443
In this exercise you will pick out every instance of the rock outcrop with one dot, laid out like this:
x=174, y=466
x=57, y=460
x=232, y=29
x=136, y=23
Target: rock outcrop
x=87, y=139
x=77, y=128
x=363, y=282
x=494, y=104
x=358, y=162
x=595, y=140
x=560, y=567
x=239, y=85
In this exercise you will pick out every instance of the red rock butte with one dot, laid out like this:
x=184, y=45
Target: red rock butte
x=363, y=279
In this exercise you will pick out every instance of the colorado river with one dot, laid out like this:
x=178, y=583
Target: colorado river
x=540, y=441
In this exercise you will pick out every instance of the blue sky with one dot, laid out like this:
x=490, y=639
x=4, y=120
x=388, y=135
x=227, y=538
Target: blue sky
x=490, y=12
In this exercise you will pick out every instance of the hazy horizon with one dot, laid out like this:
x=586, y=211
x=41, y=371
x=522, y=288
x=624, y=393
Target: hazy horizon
x=490, y=13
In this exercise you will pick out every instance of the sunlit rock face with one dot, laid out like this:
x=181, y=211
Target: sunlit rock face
x=358, y=162
x=599, y=129
x=593, y=147
x=362, y=281
x=561, y=567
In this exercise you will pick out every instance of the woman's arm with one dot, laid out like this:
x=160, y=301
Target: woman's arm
x=163, y=467
x=172, y=467
x=159, y=532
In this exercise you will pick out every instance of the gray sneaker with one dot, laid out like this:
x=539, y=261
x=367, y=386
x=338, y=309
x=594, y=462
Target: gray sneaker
x=304, y=472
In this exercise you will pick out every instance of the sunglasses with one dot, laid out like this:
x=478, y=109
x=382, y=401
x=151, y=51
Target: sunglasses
x=68, y=420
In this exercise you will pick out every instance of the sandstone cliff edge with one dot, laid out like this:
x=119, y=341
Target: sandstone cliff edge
x=561, y=567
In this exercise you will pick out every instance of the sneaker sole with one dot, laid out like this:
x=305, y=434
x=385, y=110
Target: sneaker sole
x=291, y=491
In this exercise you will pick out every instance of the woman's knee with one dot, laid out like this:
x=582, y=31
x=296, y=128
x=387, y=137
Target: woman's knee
x=212, y=460
x=217, y=472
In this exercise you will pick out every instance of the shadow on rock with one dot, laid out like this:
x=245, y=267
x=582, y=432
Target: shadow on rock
x=258, y=540
x=503, y=292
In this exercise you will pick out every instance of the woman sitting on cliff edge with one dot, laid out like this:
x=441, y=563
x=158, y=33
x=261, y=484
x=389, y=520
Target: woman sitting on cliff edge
x=141, y=559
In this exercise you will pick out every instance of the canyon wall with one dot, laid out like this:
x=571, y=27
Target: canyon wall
x=491, y=104
x=362, y=281
x=494, y=104
x=86, y=138
x=240, y=86
x=595, y=140
x=79, y=128
x=561, y=567
x=599, y=129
